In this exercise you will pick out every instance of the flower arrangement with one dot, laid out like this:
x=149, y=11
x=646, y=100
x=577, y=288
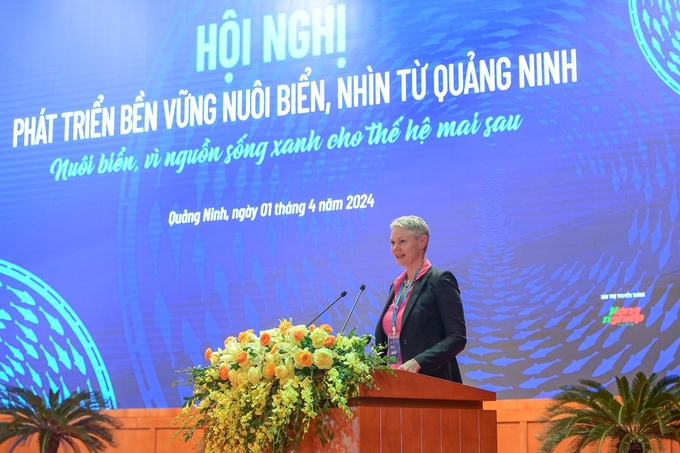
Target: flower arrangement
x=262, y=394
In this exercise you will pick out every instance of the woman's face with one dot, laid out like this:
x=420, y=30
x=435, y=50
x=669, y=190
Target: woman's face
x=407, y=248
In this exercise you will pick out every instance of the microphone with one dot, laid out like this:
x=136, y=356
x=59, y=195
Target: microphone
x=343, y=294
x=361, y=290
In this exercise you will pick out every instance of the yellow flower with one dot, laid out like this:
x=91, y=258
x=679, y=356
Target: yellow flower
x=285, y=372
x=323, y=358
x=254, y=375
x=233, y=377
x=273, y=358
x=231, y=351
x=285, y=326
x=245, y=366
x=318, y=336
x=266, y=398
x=343, y=343
x=303, y=358
x=246, y=336
x=281, y=372
x=351, y=359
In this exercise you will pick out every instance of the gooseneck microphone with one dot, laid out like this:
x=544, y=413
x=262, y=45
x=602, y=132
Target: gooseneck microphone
x=343, y=294
x=361, y=290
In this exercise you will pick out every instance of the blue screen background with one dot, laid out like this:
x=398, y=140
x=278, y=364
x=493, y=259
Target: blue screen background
x=99, y=290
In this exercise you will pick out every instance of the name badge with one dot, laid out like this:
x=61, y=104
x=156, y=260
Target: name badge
x=393, y=348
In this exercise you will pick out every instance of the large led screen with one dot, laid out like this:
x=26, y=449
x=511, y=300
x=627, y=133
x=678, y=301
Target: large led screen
x=176, y=172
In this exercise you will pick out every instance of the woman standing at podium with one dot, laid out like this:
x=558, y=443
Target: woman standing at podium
x=422, y=323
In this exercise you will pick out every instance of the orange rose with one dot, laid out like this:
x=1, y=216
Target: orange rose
x=242, y=357
x=306, y=359
x=224, y=372
x=329, y=341
x=270, y=370
x=327, y=328
x=208, y=353
x=228, y=340
x=299, y=335
x=265, y=338
x=312, y=327
x=303, y=358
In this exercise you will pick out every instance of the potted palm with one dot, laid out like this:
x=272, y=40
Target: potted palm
x=637, y=420
x=57, y=421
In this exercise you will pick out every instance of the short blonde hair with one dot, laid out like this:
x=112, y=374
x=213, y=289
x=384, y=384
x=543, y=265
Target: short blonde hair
x=414, y=224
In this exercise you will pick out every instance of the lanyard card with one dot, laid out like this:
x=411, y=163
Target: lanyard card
x=393, y=348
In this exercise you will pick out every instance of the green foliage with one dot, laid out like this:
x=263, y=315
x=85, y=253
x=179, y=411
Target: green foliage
x=55, y=421
x=643, y=414
x=264, y=394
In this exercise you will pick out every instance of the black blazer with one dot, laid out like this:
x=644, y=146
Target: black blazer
x=432, y=325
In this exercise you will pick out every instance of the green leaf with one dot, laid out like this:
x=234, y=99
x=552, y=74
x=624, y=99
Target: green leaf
x=645, y=411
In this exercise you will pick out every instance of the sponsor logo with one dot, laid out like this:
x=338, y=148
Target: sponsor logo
x=623, y=316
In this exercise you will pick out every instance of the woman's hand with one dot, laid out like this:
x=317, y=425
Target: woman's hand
x=410, y=365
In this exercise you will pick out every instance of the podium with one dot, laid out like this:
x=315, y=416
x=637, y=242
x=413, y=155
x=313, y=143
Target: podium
x=411, y=413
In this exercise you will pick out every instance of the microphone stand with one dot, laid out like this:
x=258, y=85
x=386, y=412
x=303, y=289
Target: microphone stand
x=361, y=290
x=343, y=294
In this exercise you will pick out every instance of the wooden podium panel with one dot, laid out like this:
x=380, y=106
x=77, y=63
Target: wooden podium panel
x=395, y=429
x=412, y=413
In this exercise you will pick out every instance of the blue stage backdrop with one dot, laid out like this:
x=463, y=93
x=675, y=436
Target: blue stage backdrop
x=176, y=172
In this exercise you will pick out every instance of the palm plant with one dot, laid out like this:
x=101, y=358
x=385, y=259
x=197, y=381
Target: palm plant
x=71, y=421
x=638, y=419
